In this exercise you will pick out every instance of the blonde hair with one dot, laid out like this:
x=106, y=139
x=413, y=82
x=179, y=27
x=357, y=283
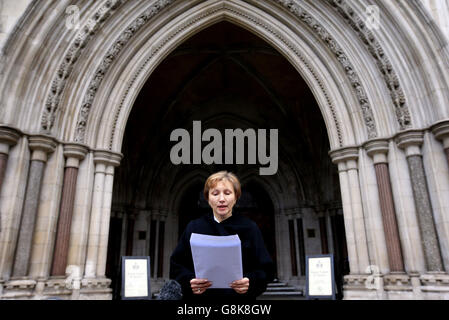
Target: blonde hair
x=213, y=179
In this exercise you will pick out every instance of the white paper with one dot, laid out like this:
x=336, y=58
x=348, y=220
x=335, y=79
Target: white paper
x=217, y=258
x=136, y=281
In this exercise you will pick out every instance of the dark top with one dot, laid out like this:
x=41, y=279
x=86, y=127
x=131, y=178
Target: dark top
x=256, y=262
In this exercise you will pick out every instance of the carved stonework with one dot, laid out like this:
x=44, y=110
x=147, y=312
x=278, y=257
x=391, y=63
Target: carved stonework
x=110, y=56
x=295, y=8
x=382, y=61
x=252, y=20
x=65, y=69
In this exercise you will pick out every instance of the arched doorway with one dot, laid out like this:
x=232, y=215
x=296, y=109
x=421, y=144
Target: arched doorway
x=63, y=122
x=226, y=78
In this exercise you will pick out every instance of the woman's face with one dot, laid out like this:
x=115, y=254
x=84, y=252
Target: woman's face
x=222, y=199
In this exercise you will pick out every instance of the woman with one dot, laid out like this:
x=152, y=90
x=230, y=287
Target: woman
x=222, y=190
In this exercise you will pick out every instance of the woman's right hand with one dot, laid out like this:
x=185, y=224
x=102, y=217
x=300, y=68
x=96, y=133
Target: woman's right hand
x=199, y=285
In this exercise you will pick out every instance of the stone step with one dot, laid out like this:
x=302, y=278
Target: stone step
x=289, y=295
x=281, y=289
x=277, y=284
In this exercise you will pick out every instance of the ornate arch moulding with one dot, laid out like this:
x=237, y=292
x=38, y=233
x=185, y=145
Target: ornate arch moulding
x=382, y=61
x=326, y=38
x=76, y=48
x=226, y=8
x=112, y=53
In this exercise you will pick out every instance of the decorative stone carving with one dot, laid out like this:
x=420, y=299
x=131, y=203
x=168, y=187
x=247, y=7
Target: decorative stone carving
x=110, y=56
x=382, y=61
x=65, y=69
x=295, y=8
x=8, y=136
x=256, y=22
x=397, y=282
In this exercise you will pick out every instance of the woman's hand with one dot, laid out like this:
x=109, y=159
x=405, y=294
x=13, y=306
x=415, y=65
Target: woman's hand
x=199, y=285
x=240, y=286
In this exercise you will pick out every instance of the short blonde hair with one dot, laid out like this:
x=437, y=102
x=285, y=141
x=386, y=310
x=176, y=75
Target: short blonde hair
x=213, y=179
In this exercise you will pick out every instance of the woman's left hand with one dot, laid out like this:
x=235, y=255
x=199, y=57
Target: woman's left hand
x=240, y=286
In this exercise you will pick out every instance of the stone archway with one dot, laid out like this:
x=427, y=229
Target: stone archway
x=360, y=78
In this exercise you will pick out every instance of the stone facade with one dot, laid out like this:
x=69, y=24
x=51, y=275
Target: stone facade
x=383, y=94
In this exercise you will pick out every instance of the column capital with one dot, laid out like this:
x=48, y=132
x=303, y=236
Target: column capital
x=344, y=154
x=441, y=131
x=74, y=153
x=8, y=137
x=107, y=157
x=377, y=149
x=41, y=145
x=410, y=141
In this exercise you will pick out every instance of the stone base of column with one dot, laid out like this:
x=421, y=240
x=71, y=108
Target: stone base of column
x=57, y=288
x=397, y=286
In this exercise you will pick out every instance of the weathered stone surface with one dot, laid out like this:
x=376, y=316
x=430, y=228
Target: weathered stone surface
x=424, y=212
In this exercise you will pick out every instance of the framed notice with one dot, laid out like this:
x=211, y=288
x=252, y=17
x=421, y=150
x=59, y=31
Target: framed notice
x=320, y=281
x=136, y=278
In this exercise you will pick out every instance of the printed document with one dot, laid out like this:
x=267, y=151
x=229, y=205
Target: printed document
x=217, y=258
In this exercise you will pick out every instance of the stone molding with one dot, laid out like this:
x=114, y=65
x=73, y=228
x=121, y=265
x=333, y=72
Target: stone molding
x=382, y=61
x=435, y=279
x=377, y=149
x=108, y=158
x=257, y=23
x=441, y=131
x=410, y=141
x=9, y=136
x=326, y=37
x=112, y=53
x=73, y=53
x=74, y=153
x=41, y=145
x=344, y=154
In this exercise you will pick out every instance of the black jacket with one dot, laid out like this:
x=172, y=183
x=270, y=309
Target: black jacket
x=256, y=262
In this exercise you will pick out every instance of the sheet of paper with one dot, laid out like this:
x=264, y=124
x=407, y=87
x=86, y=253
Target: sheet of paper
x=217, y=258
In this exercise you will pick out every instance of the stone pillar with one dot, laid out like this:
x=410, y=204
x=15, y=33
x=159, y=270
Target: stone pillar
x=40, y=146
x=106, y=217
x=340, y=157
x=73, y=153
x=411, y=142
x=100, y=213
x=378, y=150
x=11, y=204
x=79, y=233
x=8, y=137
x=441, y=132
x=358, y=215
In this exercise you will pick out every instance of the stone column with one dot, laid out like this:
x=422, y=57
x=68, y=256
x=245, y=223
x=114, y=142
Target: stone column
x=40, y=146
x=441, y=132
x=106, y=214
x=378, y=150
x=8, y=137
x=340, y=156
x=411, y=142
x=358, y=215
x=101, y=204
x=73, y=153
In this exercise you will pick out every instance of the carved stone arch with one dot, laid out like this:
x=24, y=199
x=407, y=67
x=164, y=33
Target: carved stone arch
x=313, y=73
